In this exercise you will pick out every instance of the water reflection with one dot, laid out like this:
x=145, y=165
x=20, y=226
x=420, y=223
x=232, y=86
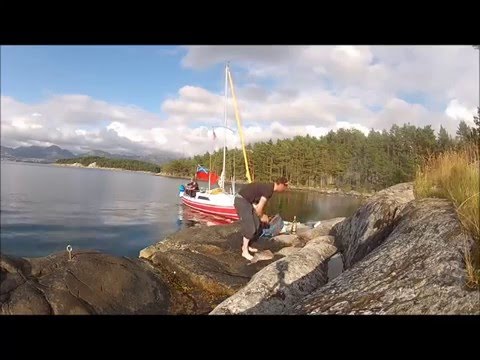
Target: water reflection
x=188, y=217
x=309, y=206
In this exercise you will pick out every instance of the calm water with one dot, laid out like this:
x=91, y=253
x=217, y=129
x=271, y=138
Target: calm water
x=45, y=207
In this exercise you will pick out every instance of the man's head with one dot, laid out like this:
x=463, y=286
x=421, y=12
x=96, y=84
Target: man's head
x=281, y=184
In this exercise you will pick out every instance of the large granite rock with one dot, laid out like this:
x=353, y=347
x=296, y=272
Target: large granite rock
x=91, y=283
x=189, y=272
x=203, y=266
x=280, y=284
x=371, y=223
x=418, y=269
x=324, y=228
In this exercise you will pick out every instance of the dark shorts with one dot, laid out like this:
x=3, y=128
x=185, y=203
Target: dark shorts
x=250, y=222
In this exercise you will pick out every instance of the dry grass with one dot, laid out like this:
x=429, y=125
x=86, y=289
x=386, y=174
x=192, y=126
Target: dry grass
x=455, y=175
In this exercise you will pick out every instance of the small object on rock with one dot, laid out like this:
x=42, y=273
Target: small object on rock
x=335, y=266
x=318, y=223
x=294, y=226
x=69, y=249
x=274, y=226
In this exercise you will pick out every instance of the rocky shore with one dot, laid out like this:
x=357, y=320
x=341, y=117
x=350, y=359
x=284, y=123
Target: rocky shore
x=394, y=255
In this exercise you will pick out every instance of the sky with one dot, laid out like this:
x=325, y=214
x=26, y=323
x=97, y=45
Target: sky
x=147, y=99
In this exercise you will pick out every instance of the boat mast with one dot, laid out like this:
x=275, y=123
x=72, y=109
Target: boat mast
x=209, y=173
x=239, y=127
x=233, y=177
x=222, y=180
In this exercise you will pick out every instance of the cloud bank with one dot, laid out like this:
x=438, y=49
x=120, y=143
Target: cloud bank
x=283, y=91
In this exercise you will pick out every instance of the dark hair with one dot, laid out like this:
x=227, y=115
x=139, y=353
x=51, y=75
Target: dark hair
x=281, y=180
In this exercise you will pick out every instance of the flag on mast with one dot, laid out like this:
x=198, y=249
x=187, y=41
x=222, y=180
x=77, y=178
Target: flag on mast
x=204, y=174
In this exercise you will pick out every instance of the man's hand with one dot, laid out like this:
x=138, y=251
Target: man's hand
x=264, y=218
x=259, y=208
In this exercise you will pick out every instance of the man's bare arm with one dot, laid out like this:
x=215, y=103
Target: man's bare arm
x=261, y=206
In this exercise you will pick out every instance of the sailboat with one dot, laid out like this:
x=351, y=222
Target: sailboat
x=217, y=201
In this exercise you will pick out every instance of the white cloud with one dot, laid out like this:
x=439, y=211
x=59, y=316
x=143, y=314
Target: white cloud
x=195, y=101
x=443, y=71
x=282, y=91
x=203, y=56
x=23, y=123
x=458, y=111
x=398, y=111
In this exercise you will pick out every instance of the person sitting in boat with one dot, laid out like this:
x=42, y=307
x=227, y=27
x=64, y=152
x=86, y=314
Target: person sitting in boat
x=192, y=187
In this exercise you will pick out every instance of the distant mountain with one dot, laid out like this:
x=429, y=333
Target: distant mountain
x=52, y=153
x=96, y=153
x=6, y=151
x=159, y=158
x=35, y=153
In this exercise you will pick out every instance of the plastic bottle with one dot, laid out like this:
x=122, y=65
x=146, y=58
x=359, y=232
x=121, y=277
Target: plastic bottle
x=294, y=225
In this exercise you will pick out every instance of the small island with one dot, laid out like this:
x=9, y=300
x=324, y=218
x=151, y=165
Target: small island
x=107, y=163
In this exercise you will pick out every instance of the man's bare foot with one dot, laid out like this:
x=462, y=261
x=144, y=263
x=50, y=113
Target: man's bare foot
x=247, y=255
x=251, y=249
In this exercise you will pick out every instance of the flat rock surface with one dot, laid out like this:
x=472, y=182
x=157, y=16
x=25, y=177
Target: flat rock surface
x=91, y=283
x=418, y=269
x=280, y=284
x=203, y=266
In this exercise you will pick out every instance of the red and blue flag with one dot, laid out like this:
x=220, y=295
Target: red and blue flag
x=203, y=174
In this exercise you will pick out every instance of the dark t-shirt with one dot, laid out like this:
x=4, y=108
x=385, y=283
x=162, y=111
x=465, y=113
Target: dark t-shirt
x=254, y=191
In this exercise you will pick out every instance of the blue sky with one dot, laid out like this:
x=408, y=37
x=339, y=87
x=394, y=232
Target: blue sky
x=154, y=98
x=141, y=75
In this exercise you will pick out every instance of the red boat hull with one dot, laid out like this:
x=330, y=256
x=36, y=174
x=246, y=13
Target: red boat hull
x=225, y=211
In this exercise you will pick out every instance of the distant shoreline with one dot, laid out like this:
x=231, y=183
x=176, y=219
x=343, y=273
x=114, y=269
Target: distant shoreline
x=104, y=168
x=294, y=188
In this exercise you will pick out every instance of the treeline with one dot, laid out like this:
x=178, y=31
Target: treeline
x=126, y=164
x=345, y=159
